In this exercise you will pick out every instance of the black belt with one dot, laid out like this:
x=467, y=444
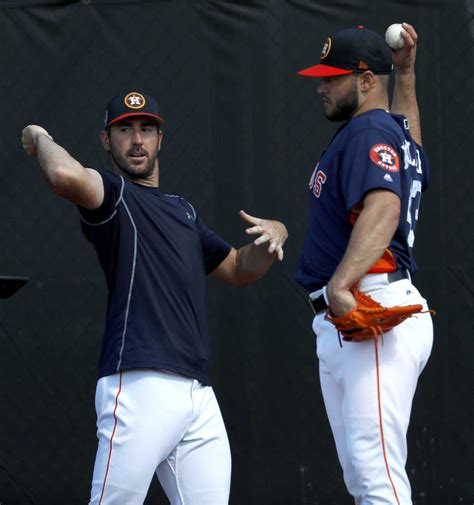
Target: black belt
x=319, y=304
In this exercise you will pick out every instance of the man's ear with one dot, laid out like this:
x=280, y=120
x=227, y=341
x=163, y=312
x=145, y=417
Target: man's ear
x=104, y=138
x=160, y=138
x=367, y=81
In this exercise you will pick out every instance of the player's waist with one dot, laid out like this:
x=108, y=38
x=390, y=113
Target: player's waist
x=318, y=299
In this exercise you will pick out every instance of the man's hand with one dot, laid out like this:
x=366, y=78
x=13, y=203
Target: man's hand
x=404, y=59
x=269, y=231
x=246, y=265
x=341, y=301
x=29, y=137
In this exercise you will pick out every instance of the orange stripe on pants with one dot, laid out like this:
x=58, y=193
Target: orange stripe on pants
x=111, y=439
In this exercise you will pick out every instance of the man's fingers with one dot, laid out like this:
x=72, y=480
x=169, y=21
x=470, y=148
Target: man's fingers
x=253, y=230
x=279, y=251
x=28, y=146
x=250, y=219
x=269, y=232
x=274, y=247
x=409, y=35
x=410, y=30
x=261, y=240
x=409, y=42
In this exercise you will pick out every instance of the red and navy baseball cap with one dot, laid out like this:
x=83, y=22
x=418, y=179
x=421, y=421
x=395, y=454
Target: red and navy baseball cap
x=353, y=50
x=131, y=104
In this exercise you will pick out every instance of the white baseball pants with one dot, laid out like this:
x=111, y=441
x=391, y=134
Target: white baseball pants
x=154, y=421
x=349, y=387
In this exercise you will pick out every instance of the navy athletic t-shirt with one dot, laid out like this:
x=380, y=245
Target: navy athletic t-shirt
x=372, y=151
x=155, y=252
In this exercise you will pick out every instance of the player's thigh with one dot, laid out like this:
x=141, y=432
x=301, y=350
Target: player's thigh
x=402, y=353
x=142, y=414
x=386, y=381
x=386, y=389
x=198, y=471
x=333, y=396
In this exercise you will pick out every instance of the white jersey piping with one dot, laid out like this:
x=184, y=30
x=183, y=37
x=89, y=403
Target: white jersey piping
x=115, y=207
x=132, y=279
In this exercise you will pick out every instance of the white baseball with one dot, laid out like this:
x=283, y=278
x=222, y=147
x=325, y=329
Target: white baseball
x=393, y=36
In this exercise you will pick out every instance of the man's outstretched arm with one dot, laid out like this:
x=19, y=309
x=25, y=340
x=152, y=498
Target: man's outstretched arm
x=248, y=264
x=404, y=92
x=65, y=175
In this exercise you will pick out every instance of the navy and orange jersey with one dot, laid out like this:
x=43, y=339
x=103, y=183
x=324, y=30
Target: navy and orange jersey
x=155, y=252
x=371, y=151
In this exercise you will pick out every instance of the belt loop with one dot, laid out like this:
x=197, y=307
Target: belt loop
x=325, y=295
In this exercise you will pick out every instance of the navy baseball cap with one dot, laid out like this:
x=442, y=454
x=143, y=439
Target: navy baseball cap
x=353, y=50
x=131, y=104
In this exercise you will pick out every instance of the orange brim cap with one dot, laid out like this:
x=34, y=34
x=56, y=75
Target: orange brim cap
x=323, y=71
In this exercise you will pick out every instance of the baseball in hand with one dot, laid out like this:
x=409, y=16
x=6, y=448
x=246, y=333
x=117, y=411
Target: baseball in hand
x=393, y=36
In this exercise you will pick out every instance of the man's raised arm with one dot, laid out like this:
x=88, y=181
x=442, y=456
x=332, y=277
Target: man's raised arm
x=404, y=93
x=65, y=175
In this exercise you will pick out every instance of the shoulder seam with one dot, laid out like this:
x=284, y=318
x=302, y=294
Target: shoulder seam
x=120, y=199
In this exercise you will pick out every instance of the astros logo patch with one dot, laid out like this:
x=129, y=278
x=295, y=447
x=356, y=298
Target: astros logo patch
x=134, y=100
x=385, y=156
x=326, y=48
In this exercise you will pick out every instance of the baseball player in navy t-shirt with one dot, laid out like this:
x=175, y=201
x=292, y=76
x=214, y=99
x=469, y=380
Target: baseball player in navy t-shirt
x=364, y=197
x=156, y=410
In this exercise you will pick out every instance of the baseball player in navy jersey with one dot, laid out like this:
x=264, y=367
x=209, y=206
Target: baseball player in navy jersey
x=156, y=410
x=364, y=201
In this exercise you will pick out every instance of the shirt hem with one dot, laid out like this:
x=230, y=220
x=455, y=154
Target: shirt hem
x=202, y=378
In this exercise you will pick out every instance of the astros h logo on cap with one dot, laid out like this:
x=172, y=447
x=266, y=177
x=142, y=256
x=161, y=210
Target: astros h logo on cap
x=132, y=104
x=135, y=100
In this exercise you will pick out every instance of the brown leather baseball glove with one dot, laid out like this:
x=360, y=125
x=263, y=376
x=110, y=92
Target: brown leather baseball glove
x=369, y=319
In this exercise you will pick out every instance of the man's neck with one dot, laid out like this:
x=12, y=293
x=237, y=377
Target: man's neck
x=371, y=104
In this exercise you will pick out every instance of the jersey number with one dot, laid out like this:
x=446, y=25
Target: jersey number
x=415, y=192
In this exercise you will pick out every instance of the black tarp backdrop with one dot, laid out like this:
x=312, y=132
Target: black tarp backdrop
x=242, y=131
